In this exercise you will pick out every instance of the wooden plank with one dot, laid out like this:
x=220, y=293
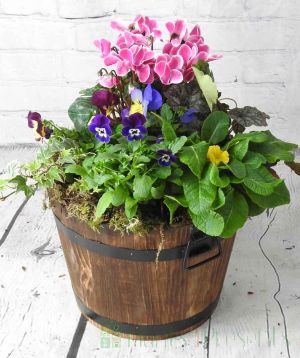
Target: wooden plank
x=38, y=312
x=97, y=343
x=249, y=321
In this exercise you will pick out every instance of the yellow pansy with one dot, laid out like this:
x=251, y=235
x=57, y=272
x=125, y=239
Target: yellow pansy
x=136, y=107
x=216, y=155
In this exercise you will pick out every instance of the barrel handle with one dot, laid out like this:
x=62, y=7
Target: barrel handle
x=199, y=242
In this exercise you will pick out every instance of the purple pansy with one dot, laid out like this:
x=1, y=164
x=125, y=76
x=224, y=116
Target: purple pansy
x=104, y=100
x=99, y=125
x=133, y=126
x=40, y=131
x=149, y=99
x=33, y=116
x=189, y=115
x=165, y=157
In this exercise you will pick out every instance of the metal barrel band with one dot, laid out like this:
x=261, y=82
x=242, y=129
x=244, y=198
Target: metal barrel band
x=147, y=330
x=123, y=253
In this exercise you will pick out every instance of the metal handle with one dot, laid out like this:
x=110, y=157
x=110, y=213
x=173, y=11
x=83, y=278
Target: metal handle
x=199, y=244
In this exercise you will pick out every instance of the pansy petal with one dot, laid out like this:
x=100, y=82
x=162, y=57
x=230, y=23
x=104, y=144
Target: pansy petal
x=156, y=101
x=136, y=95
x=125, y=131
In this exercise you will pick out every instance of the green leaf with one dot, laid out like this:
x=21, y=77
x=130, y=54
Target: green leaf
x=130, y=207
x=80, y=112
x=208, y=221
x=172, y=206
x=218, y=180
x=103, y=203
x=21, y=185
x=177, y=144
x=168, y=131
x=234, y=212
x=255, y=137
x=119, y=196
x=237, y=168
x=280, y=196
x=240, y=149
x=260, y=180
x=76, y=169
x=254, y=159
x=254, y=209
x=207, y=87
x=141, y=187
x=161, y=172
x=200, y=194
x=215, y=127
x=158, y=192
x=166, y=112
x=195, y=157
x=220, y=200
x=273, y=151
x=179, y=199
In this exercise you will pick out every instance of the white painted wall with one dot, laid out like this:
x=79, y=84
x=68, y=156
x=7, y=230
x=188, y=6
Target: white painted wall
x=47, y=54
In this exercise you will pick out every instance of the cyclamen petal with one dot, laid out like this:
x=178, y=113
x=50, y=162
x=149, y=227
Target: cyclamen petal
x=176, y=76
x=104, y=46
x=117, y=26
x=108, y=81
x=143, y=73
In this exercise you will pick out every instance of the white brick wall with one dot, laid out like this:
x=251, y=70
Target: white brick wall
x=47, y=53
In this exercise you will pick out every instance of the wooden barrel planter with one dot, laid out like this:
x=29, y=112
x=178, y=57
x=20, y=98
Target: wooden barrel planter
x=153, y=287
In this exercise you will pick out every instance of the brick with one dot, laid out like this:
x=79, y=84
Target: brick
x=30, y=66
x=227, y=9
x=268, y=98
x=86, y=33
x=251, y=35
x=73, y=9
x=227, y=69
x=278, y=8
x=82, y=67
x=157, y=8
x=28, y=7
x=14, y=127
x=24, y=97
x=265, y=67
x=32, y=33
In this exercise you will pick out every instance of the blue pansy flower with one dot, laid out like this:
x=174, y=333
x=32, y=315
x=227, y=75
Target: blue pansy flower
x=189, y=115
x=150, y=99
x=99, y=125
x=165, y=157
x=133, y=125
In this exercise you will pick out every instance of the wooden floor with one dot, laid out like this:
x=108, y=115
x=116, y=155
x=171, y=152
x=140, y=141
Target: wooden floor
x=258, y=314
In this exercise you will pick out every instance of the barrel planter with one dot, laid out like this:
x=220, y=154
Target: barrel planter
x=153, y=287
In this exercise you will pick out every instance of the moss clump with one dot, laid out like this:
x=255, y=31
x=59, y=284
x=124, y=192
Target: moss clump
x=119, y=222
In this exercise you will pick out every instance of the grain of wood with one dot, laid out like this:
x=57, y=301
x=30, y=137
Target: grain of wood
x=38, y=312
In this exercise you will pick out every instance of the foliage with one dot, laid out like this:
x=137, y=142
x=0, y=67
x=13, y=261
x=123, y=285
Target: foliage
x=144, y=163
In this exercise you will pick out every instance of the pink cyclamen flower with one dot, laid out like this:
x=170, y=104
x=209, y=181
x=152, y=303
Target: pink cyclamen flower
x=108, y=81
x=146, y=26
x=169, y=68
x=104, y=46
x=136, y=58
x=178, y=31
